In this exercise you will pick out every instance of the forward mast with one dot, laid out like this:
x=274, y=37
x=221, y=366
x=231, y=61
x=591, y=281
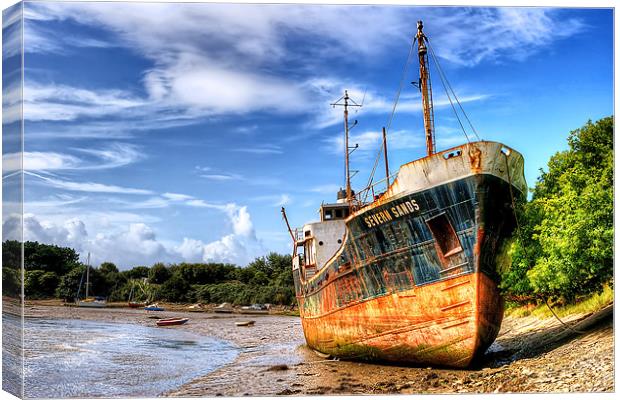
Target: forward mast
x=427, y=93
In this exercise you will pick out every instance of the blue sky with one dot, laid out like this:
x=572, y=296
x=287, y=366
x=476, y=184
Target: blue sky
x=175, y=132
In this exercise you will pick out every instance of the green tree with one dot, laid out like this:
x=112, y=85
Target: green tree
x=11, y=282
x=108, y=267
x=159, y=274
x=31, y=283
x=38, y=256
x=566, y=248
x=175, y=289
x=136, y=272
x=70, y=283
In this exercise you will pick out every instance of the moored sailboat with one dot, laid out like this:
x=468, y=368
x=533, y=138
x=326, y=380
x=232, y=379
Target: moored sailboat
x=90, y=302
x=411, y=275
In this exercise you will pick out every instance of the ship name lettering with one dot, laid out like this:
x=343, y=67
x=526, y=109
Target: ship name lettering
x=405, y=208
x=399, y=210
x=378, y=218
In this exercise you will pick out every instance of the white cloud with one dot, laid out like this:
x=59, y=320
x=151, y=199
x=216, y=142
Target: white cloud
x=223, y=177
x=208, y=87
x=11, y=31
x=373, y=102
x=492, y=34
x=130, y=243
x=177, y=196
x=52, y=102
x=93, y=187
x=38, y=161
x=227, y=58
x=114, y=156
x=261, y=149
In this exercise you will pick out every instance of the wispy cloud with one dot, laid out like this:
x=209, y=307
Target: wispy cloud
x=506, y=32
x=373, y=102
x=113, y=156
x=177, y=196
x=274, y=200
x=39, y=161
x=52, y=102
x=92, y=187
x=193, y=77
x=261, y=149
x=223, y=177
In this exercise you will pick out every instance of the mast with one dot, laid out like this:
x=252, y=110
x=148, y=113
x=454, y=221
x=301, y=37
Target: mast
x=87, y=274
x=347, y=149
x=425, y=88
x=346, y=144
x=385, y=156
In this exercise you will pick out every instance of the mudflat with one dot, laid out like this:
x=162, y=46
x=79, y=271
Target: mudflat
x=530, y=355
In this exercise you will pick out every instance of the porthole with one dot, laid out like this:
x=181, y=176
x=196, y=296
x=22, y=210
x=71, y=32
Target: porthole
x=339, y=241
x=320, y=243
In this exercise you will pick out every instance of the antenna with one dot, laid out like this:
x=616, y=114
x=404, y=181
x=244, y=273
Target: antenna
x=348, y=102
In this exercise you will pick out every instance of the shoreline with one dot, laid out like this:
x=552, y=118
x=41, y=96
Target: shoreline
x=530, y=355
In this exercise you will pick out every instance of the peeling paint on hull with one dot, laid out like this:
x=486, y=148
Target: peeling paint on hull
x=415, y=280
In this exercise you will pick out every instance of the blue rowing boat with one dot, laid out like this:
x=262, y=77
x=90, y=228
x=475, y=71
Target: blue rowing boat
x=153, y=307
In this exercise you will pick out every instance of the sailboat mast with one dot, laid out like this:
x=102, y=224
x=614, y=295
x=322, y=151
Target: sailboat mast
x=346, y=145
x=425, y=88
x=87, y=274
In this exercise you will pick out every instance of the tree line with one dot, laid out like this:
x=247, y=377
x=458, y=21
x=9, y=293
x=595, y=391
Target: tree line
x=55, y=272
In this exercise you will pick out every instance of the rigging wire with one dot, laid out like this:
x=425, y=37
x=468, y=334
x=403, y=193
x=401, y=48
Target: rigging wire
x=444, y=78
x=391, y=118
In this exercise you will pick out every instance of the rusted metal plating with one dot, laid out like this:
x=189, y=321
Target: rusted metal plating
x=415, y=278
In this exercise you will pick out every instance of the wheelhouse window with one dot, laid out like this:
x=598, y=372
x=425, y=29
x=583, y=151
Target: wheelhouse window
x=444, y=234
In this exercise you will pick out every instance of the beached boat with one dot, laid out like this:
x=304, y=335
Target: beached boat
x=154, y=307
x=225, y=308
x=89, y=302
x=254, y=309
x=245, y=323
x=131, y=303
x=410, y=275
x=171, y=321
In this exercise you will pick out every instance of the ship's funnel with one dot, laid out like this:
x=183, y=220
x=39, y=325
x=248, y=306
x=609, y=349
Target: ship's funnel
x=341, y=197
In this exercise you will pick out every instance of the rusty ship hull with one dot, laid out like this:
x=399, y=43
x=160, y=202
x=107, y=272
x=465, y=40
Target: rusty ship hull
x=415, y=279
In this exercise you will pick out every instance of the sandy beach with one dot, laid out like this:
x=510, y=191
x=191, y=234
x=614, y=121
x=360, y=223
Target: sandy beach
x=530, y=355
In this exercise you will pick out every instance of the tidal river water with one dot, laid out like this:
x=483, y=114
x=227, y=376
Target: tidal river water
x=79, y=358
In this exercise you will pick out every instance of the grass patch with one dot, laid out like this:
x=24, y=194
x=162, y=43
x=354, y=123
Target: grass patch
x=584, y=305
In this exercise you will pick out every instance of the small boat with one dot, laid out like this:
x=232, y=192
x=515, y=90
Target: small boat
x=244, y=323
x=89, y=302
x=195, y=307
x=153, y=307
x=132, y=303
x=171, y=321
x=224, y=308
x=254, y=309
x=92, y=302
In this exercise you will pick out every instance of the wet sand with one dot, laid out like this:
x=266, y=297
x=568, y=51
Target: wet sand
x=530, y=355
